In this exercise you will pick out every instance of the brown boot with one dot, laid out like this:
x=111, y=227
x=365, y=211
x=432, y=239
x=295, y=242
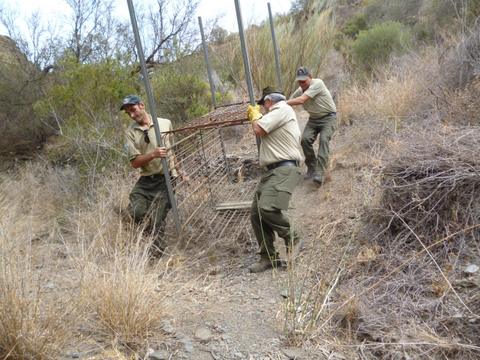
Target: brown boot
x=261, y=265
x=265, y=263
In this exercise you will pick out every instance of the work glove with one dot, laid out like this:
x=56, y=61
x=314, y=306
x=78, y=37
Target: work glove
x=253, y=113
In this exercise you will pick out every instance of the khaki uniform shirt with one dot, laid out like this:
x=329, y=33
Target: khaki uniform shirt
x=282, y=141
x=136, y=145
x=320, y=102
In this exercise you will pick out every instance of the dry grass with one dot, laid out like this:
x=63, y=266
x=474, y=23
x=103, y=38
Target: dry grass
x=121, y=289
x=106, y=283
x=405, y=291
x=398, y=91
x=306, y=45
x=30, y=326
x=122, y=299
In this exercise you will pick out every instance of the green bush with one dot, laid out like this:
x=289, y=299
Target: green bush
x=404, y=11
x=356, y=24
x=374, y=47
x=180, y=96
x=84, y=101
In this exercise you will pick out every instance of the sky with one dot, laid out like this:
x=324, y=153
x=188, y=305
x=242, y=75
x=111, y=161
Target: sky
x=253, y=11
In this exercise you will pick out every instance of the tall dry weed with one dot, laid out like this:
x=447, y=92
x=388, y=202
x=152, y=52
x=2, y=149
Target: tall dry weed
x=398, y=91
x=121, y=289
x=122, y=299
x=306, y=43
x=31, y=326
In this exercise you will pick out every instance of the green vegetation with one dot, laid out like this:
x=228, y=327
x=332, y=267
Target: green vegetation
x=83, y=102
x=374, y=47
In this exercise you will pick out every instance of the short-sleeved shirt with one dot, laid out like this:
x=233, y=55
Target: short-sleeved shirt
x=320, y=103
x=136, y=145
x=282, y=141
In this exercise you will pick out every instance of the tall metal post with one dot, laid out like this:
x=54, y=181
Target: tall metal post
x=151, y=104
x=207, y=63
x=275, y=48
x=246, y=61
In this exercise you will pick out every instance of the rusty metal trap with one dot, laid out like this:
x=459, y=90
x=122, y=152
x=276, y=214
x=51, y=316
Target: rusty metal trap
x=218, y=156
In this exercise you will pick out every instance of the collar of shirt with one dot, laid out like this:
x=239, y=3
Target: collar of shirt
x=277, y=105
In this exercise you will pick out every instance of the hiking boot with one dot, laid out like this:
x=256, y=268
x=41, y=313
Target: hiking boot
x=310, y=173
x=265, y=264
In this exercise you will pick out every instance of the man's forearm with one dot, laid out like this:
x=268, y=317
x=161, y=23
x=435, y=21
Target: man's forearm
x=299, y=100
x=257, y=129
x=142, y=160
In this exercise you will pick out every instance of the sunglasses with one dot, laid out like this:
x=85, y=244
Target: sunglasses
x=145, y=136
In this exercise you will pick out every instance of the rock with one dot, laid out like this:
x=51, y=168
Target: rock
x=74, y=355
x=167, y=327
x=50, y=286
x=285, y=293
x=203, y=334
x=294, y=353
x=187, y=344
x=471, y=269
x=159, y=355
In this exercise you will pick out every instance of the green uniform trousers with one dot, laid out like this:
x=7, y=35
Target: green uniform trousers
x=270, y=203
x=325, y=127
x=149, y=202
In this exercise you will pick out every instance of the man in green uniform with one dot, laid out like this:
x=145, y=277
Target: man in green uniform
x=149, y=197
x=280, y=153
x=318, y=102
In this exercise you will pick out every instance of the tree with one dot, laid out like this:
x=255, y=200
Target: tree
x=170, y=23
x=93, y=31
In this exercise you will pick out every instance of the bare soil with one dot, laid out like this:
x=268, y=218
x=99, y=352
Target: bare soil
x=225, y=312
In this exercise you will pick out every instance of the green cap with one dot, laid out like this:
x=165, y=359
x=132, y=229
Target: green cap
x=267, y=91
x=130, y=100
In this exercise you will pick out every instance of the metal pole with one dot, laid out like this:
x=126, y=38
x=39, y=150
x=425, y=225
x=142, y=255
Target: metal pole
x=246, y=61
x=275, y=48
x=151, y=104
x=207, y=63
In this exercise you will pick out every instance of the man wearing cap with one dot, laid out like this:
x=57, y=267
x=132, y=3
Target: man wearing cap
x=318, y=102
x=280, y=153
x=149, y=196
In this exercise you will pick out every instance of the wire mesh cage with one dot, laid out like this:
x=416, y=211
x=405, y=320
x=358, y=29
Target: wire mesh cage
x=217, y=156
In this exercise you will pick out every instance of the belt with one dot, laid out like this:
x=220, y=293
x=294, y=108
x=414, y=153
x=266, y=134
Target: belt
x=153, y=176
x=282, y=163
x=324, y=116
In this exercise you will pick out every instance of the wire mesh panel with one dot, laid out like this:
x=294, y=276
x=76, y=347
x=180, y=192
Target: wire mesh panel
x=215, y=194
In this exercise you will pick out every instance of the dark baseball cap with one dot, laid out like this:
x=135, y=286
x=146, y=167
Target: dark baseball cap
x=302, y=74
x=130, y=100
x=267, y=91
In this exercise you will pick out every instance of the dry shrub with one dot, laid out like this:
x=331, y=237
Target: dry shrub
x=122, y=299
x=459, y=106
x=432, y=187
x=101, y=224
x=411, y=289
x=31, y=327
x=399, y=290
x=397, y=91
x=121, y=292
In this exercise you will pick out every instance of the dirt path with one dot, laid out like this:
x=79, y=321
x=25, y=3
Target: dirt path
x=221, y=310
x=238, y=315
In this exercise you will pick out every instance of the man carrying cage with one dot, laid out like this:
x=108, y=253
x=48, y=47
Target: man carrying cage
x=280, y=153
x=318, y=102
x=149, y=199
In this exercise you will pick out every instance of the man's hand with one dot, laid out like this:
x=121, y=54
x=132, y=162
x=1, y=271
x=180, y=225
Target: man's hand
x=159, y=152
x=253, y=113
